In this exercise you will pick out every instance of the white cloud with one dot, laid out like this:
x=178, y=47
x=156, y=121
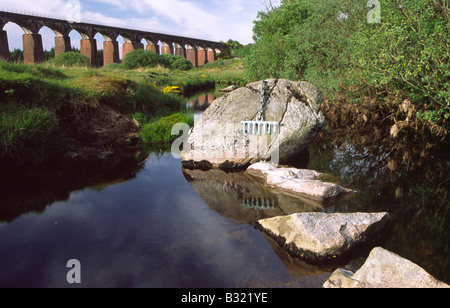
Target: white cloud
x=214, y=20
x=236, y=6
x=98, y=18
x=50, y=7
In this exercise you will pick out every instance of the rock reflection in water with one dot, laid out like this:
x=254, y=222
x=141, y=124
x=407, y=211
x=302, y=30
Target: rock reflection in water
x=295, y=266
x=258, y=203
x=244, y=198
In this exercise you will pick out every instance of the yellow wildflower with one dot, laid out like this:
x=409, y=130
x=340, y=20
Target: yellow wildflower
x=171, y=89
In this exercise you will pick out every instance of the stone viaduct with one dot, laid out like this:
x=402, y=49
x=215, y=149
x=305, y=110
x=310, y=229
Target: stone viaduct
x=197, y=51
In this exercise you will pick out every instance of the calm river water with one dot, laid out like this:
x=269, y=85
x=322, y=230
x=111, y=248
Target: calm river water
x=150, y=230
x=157, y=225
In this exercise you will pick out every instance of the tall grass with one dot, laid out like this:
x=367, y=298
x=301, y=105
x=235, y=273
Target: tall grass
x=28, y=134
x=159, y=132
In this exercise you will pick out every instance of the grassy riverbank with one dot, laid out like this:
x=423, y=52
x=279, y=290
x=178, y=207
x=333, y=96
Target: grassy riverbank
x=45, y=110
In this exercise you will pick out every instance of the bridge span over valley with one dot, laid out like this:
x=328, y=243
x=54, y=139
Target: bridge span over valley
x=197, y=51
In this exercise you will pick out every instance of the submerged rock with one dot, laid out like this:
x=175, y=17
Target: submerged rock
x=218, y=136
x=324, y=236
x=303, y=182
x=384, y=269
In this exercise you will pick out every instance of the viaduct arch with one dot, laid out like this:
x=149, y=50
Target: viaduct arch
x=197, y=51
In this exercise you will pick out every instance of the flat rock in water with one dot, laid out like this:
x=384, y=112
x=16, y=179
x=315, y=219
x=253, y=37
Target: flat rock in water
x=218, y=136
x=324, y=236
x=303, y=182
x=229, y=89
x=384, y=269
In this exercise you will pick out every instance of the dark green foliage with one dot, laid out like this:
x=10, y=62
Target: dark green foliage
x=140, y=58
x=49, y=54
x=408, y=51
x=100, y=57
x=182, y=64
x=233, y=49
x=167, y=60
x=331, y=44
x=16, y=56
x=148, y=59
x=304, y=40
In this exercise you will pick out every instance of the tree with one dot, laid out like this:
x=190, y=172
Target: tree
x=233, y=49
x=100, y=57
x=334, y=45
x=408, y=51
x=49, y=54
x=271, y=33
x=16, y=56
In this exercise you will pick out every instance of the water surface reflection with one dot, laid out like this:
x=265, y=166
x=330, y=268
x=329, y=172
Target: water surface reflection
x=151, y=230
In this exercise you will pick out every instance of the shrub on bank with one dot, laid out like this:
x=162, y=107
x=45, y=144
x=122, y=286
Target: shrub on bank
x=182, y=64
x=141, y=58
x=71, y=59
x=167, y=60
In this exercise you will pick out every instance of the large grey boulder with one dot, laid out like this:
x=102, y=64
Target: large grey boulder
x=218, y=136
x=384, y=269
x=324, y=236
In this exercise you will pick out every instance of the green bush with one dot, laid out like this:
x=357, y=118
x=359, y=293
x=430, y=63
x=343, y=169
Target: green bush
x=71, y=59
x=140, y=58
x=408, y=51
x=167, y=60
x=233, y=49
x=182, y=64
x=331, y=44
x=148, y=59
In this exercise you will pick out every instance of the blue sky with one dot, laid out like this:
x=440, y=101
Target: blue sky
x=217, y=20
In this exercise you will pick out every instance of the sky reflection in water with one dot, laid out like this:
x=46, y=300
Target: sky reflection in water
x=151, y=231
